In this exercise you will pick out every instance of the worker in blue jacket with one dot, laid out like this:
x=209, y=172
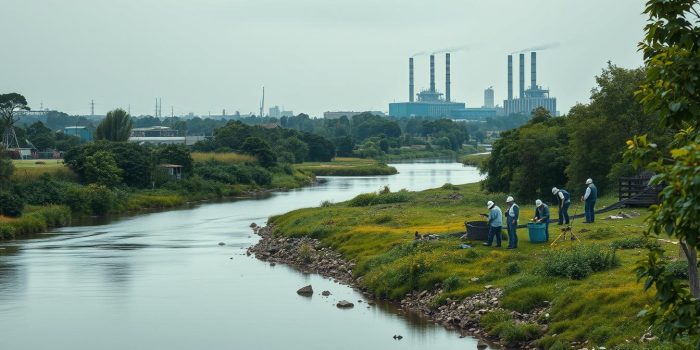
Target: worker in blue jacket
x=564, y=199
x=542, y=215
x=589, y=198
x=512, y=214
x=495, y=221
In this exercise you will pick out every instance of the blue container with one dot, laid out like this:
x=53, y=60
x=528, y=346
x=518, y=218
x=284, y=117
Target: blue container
x=536, y=232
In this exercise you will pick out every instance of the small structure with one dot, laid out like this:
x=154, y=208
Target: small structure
x=636, y=192
x=156, y=135
x=173, y=170
x=80, y=131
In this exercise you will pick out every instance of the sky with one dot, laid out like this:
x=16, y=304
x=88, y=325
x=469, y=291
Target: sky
x=203, y=56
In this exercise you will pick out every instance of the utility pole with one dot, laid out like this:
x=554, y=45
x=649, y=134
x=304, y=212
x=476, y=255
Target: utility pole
x=155, y=112
x=92, y=108
x=172, y=112
x=262, y=103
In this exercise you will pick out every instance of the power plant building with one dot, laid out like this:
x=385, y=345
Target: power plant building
x=531, y=98
x=430, y=102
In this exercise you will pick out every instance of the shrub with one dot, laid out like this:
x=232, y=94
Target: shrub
x=449, y=186
x=326, y=204
x=491, y=319
x=306, y=253
x=363, y=200
x=628, y=243
x=513, y=332
x=513, y=268
x=527, y=299
x=7, y=232
x=367, y=199
x=678, y=269
x=450, y=283
x=578, y=262
x=11, y=204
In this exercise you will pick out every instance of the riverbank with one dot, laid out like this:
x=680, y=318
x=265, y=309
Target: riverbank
x=582, y=293
x=341, y=166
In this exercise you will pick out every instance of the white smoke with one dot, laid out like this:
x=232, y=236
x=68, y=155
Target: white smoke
x=465, y=47
x=539, y=47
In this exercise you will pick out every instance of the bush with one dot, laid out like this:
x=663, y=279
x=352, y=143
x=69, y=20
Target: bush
x=451, y=283
x=449, y=186
x=578, y=262
x=678, y=269
x=367, y=199
x=527, y=299
x=11, y=204
x=628, y=243
x=7, y=232
x=513, y=268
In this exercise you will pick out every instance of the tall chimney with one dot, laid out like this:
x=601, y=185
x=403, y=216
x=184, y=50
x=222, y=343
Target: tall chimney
x=533, y=70
x=522, y=75
x=410, y=79
x=447, y=77
x=432, y=73
x=510, y=77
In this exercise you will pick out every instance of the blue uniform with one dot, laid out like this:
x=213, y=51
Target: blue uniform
x=564, y=204
x=512, y=215
x=542, y=212
x=495, y=225
x=590, y=198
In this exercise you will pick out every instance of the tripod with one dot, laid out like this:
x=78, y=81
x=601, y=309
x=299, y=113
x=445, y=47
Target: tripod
x=568, y=228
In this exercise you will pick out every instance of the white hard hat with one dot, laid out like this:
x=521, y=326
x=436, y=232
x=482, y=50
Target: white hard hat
x=589, y=181
x=510, y=199
x=489, y=204
x=538, y=203
x=555, y=190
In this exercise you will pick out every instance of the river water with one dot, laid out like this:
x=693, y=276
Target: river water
x=161, y=281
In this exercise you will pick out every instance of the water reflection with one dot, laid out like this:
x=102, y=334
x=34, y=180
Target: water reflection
x=161, y=280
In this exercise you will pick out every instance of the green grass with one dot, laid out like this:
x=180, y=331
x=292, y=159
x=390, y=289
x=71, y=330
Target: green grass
x=27, y=170
x=35, y=219
x=146, y=200
x=476, y=160
x=229, y=158
x=600, y=306
x=347, y=167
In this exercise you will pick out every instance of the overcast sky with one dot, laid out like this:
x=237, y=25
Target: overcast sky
x=312, y=56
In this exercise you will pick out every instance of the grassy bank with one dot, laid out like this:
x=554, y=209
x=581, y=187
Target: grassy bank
x=476, y=159
x=590, y=287
x=347, y=167
x=34, y=220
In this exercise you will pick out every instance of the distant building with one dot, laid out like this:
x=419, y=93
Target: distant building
x=156, y=135
x=348, y=114
x=276, y=112
x=488, y=98
x=80, y=131
x=531, y=98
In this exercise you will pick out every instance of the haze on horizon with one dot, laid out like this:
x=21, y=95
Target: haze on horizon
x=311, y=55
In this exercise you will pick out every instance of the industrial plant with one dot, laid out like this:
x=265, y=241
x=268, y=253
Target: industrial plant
x=431, y=103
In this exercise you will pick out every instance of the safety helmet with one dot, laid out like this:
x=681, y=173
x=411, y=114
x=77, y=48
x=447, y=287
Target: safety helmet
x=589, y=181
x=538, y=203
x=510, y=199
x=489, y=204
x=555, y=190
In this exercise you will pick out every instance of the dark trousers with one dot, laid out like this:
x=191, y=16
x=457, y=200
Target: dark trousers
x=494, y=231
x=512, y=234
x=564, y=214
x=590, y=211
x=546, y=229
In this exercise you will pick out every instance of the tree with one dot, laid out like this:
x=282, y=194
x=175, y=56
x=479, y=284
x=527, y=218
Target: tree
x=6, y=168
x=671, y=89
x=9, y=104
x=174, y=154
x=134, y=160
x=261, y=150
x=115, y=127
x=102, y=169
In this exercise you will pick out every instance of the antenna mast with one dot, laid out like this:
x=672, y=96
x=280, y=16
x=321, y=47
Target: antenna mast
x=262, y=103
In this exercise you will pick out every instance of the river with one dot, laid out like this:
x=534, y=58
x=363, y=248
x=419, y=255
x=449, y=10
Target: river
x=162, y=281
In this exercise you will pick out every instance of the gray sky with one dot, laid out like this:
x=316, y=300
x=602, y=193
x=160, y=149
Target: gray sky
x=311, y=55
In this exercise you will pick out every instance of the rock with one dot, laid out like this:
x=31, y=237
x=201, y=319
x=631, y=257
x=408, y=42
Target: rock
x=222, y=243
x=488, y=286
x=344, y=304
x=253, y=225
x=474, y=279
x=325, y=293
x=272, y=264
x=306, y=291
x=481, y=345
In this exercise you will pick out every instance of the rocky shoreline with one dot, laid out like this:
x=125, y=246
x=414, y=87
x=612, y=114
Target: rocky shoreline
x=308, y=255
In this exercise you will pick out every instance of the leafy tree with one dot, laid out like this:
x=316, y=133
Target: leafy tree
x=320, y=148
x=6, y=168
x=102, y=169
x=297, y=148
x=261, y=150
x=344, y=146
x=134, y=160
x=174, y=154
x=672, y=90
x=9, y=104
x=115, y=127
x=11, y=204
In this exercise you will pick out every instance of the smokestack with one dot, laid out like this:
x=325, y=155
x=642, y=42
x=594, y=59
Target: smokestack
x=510, y=77
x=410, y=79
x=522, y=75
x=432, y=73
x=447, y=77
x=533, y=70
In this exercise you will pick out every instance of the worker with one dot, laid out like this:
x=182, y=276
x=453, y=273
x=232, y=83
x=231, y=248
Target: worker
x=590, y=197
x=495, y=222
x=512, y=222
x=542, y=215
x=564, y=202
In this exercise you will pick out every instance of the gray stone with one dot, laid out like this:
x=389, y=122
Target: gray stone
x=344, y=304
x=306, y=291
x=325, y=293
